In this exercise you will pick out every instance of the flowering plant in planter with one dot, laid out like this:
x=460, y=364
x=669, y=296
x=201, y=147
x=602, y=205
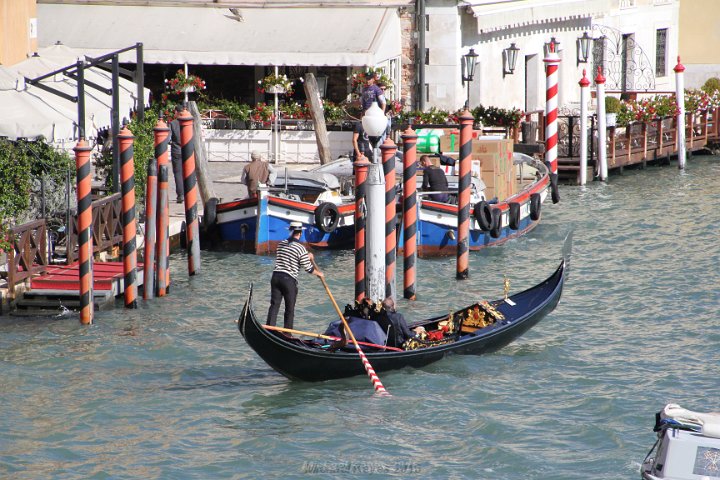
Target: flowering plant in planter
x=293, y=110
x=332, y=111
x=182, y=83
x=276, y=84
x=262, y=113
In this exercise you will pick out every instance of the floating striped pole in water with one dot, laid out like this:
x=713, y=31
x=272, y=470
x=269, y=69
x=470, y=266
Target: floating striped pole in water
x=463, y=215
x=409, y=138
x=388, y=149
x=84, y=227
x=162, y=140
x=361, y=172
x=680, y=98
x=552, y=62
x=127, y=187
x=150, y=230
x=187, y=142
x=601, y=126
x=584, y=84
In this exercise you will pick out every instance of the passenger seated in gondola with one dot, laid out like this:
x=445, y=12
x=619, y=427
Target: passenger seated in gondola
x=400, y=329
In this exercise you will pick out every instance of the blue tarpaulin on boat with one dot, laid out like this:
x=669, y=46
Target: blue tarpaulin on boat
x=364, y=330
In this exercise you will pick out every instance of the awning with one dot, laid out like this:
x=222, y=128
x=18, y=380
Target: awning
x=350, y=36
x=494, y=15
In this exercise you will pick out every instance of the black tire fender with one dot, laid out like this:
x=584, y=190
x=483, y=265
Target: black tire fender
x=327, y=217
x=514, y=215
x=496, y=223
x=535, y=206
x=210, y=213
x=554, y=188
x=483, y=215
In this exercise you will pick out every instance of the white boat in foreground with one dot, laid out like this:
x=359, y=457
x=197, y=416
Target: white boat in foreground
x=687, y=448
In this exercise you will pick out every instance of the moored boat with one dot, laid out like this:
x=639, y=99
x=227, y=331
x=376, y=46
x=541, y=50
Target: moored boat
x=687, y=446
x=259, y=224
x=481, y=327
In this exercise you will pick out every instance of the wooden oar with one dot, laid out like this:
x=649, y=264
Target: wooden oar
x=327, y=337
x=377, y=384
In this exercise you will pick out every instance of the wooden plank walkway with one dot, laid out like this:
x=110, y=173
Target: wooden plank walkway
x=106, y=276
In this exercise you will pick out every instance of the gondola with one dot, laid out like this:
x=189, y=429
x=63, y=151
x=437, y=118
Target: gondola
x=482, y=327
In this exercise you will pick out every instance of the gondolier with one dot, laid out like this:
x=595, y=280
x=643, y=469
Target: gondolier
x=291, y=256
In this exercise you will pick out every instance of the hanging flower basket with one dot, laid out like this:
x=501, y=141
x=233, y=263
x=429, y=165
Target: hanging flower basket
x=276, y=84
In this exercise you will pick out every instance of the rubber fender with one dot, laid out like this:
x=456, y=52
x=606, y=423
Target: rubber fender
x=535, y=206
x=327, y=217
x=514, y=215
x=496, y=223
x=210, y=213
x=483, y=215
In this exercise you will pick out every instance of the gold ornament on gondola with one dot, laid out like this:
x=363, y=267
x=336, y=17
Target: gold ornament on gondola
x=506, y=286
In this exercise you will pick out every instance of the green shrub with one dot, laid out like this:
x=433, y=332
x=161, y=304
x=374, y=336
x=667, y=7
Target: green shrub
x=612, y=104
x=711, y=85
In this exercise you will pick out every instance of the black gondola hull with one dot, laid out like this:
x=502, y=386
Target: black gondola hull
x=298, y=361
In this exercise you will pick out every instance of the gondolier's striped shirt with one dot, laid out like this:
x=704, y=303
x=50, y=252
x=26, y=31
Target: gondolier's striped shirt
x=291, y=255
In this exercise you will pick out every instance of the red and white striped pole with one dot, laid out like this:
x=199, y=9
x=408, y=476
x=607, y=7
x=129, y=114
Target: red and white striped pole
x=601, y=126
x=552, y=62
x=680, y=97
x=584, y=84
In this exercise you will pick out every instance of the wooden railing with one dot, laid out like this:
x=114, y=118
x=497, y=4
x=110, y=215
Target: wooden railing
x=28, y=255
x=106, y=226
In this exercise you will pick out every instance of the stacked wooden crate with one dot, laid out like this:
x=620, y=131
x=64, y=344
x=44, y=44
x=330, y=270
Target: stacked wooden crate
x=496, y=166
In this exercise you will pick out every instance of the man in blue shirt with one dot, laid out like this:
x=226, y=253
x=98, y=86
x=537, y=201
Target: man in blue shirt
x=372, y=93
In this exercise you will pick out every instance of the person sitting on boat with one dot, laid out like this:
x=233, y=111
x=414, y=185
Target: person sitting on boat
x=291, y=256
x=257, y=172
x=434, y=180
x=400, y=327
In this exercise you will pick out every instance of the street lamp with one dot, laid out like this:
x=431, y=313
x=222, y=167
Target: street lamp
x=374, y=122
x=468, y=67
x=583, y=48
x=552, y=46
x=510, y=55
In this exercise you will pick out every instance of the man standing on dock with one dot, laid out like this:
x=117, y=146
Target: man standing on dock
x=291, y=255
x=257, y=172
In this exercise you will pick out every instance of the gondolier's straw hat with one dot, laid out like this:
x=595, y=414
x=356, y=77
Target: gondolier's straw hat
x=296, y=226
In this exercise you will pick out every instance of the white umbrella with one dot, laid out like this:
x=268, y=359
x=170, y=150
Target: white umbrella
x=25, y=115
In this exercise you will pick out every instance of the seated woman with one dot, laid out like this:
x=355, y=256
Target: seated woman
x=402, y=332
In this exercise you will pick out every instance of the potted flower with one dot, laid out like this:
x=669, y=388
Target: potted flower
x=332, y=112
x=276, y=84
x=181, y=83
x=261, y=114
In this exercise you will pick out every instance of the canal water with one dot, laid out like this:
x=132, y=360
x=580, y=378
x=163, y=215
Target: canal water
x=172, y=391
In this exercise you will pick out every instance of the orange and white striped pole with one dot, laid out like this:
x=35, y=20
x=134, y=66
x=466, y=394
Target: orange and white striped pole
x=84, y=227
x=150, y=230
x=361, y=173
x=127, y=187
x=388, y=149
x=409, y=138
x=463, y=217
x=162, y=141
x=552, y=62
x=187, y=143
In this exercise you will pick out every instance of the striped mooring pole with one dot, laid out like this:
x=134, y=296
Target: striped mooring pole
x=601, y=126
x=584, y=84
x=361, y=172
x=388, y=149
x=463, y=217
x=552, y=62
x=84, y=227
x=150, y=230
x=127, y=187
x=162, y=141
x=187, y=143
x=409, y=138
x=680, y=98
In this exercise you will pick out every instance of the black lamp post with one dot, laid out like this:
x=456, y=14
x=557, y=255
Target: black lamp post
x=469, y=61
x=583, y=48
x=510, y=55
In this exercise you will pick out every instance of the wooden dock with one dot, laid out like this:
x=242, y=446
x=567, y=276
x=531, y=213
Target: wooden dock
x=636, y=144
